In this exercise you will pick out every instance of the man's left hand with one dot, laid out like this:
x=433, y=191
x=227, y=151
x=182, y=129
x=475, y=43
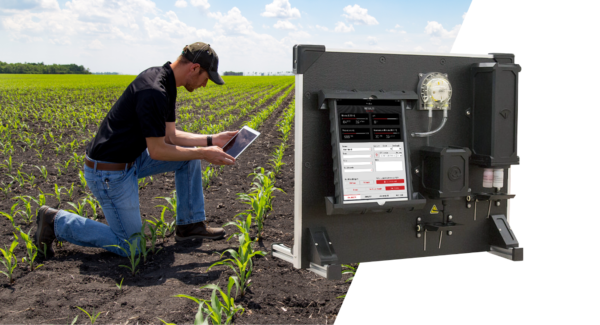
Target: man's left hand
x=222, y=138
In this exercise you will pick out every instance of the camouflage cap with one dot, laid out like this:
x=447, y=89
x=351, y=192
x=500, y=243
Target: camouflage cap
x=208, y=59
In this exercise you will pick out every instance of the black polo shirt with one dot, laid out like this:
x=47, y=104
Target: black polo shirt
x=141, y=112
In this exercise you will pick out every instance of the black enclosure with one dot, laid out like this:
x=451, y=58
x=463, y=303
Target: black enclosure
x=448, y=210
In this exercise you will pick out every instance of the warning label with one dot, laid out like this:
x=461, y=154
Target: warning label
x=434, y=210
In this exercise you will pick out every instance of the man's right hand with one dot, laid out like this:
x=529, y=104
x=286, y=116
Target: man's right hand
x=216, y=156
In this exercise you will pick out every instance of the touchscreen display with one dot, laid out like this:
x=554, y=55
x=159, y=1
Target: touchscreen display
x=240, y=142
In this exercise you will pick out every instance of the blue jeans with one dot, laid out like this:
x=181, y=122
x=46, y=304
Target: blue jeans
x=117, y=192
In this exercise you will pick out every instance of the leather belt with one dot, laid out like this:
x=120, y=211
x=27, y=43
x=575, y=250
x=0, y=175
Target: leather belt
x=108, y=167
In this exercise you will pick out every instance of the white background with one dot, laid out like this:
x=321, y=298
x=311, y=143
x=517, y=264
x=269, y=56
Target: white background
x=555, y=213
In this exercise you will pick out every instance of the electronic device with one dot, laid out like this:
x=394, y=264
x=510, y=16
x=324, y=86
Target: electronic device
x=401, y=155
x=240, y=141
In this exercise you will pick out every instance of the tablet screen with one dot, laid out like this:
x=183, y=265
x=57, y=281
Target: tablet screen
x=240, y=142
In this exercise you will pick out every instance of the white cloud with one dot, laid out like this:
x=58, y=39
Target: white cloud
x=232, y=23
x=96, y=45
x=325, y=29
x=464, y=15
x=266, y=26
x=340, y=27
x=29, y=4
x=396, y=30
x=172, y=29
x=181, y=4
x=419, y=49
x=202, y=4
x=285, y=24
x=372, y=40
x=356, y=14
x=300, y=35
x=281, y=9
x=435, y=29
x=349, y=44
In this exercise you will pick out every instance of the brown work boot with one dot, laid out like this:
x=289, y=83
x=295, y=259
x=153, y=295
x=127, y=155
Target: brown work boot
x=44, y=235
x=198, y=230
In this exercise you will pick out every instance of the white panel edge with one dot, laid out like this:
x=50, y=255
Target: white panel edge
x=297, y=249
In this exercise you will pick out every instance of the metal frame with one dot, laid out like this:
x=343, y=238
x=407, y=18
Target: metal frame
x=297, y=248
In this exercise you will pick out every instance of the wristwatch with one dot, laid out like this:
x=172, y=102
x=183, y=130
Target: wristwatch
x=209, y=140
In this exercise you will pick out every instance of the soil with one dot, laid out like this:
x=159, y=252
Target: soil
x=87, y=277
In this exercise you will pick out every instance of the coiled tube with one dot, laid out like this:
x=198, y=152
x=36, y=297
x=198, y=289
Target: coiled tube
x=427, y=134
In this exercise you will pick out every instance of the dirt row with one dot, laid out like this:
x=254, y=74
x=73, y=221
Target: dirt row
x=86, y=277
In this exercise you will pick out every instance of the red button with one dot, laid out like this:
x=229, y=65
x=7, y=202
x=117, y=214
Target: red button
x=394, y=188
x=390, y=181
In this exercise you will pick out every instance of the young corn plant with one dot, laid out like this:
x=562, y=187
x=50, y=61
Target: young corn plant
x=243, y=224
x=43, y=171
x=79, y=208
x=5, y=189
x=12, y=215
x=90, y=316
x=153, y=236
x=57, y=193
x=160, y=227
x=32, y=250
x=217, y=309
x=29, y=212
x=172, y=203
x=71, y=191
x=82, y=181
x=9, y=259
x=241, y=264
x=94, y=205
x=349, y=269
x=133, y=256
x=8, y=164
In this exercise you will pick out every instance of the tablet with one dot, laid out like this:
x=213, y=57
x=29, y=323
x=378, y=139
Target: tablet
x=240, y=141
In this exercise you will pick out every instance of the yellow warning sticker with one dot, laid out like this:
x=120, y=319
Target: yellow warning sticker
x=434, y=210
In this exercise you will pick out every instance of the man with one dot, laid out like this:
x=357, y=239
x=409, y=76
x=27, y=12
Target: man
x=137, y=139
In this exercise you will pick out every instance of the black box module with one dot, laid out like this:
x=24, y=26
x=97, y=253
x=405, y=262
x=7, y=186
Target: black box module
x=370, y=156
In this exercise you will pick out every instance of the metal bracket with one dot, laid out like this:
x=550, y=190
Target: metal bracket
x=324, y=260
x=513, y=253
x=502, y=239
x=331, y=272
x=282, y=251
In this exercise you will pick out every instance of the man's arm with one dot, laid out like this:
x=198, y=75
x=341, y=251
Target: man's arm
x=159, y=149
x=187, y=139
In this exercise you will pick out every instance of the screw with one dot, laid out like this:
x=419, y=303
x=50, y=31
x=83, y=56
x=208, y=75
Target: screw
x=449, y=232
x=382, y=59
x=420, y=74
x=443, y=61
x=469, y=205
x=469, y=190
x=329, y=243
x=419, y=235
x=419, y=219
x=497, y=203
x=468, y=112
x=416, y=170
x=450, y=217
x=316, y=244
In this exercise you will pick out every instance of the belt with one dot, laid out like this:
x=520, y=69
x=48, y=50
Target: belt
x=109, y=167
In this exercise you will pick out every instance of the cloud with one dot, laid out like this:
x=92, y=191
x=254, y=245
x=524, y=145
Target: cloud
x=396, y=29
x=96, y=45
x=300, y=35
x=349, y=44
x=181, y=4
x=29, y=4
x=232, y=23
x=340, y=27
x=284, y=24
x=172, y=29
x=372, y=40
x=464, y=15
x=325, y=29
x=281, y=9
x=202, y=4
x=435, y=29
x=419, y=49
x=356, y=14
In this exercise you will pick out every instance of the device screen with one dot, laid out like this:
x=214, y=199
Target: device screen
x=240, y=142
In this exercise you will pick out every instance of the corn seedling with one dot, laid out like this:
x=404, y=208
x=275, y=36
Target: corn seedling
x=241, y=264
x=91, y=317
x=132, y=255
x=243, y=225
x=71, y=191
x=143, y=182
x=29, y=212
x=79, y=208
x=142, y=242
x=153, y=236
x=217, y=308
x=19, y=179
x=5, y=188
x=41, y=200
x=94, y=204
x=11, y=216
x=32, y=250
x=172, y=201
x=43, y=171
x=57, y=193
x=120, y=285
x=9, y=259
x=348, y=269
x=82, y=181
x=8, y=164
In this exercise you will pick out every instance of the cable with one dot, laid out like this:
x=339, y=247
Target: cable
x=429, y=133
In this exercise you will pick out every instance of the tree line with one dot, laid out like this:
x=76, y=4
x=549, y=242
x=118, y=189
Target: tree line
x=41, y=68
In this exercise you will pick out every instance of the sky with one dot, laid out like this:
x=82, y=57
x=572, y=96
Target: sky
x=128, y=36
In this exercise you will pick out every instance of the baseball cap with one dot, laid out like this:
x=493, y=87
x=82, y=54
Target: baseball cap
x=208, y=59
